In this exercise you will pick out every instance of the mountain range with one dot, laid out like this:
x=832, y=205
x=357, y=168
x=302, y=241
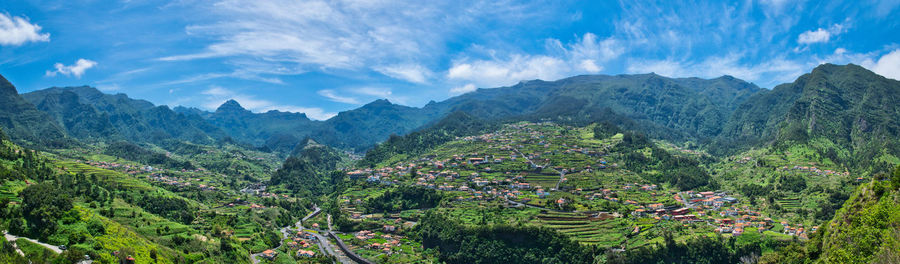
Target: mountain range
x=851, y=108
x=821, y=147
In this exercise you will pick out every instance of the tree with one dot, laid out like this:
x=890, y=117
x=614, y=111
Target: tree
x=43, y=204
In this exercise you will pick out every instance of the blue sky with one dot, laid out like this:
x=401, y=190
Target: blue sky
x=323, y=57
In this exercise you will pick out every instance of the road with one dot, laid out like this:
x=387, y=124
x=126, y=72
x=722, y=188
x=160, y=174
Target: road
x=562, y=176
x=322, y=241
x=531, y=162
x=284, y=235
x=10, y=237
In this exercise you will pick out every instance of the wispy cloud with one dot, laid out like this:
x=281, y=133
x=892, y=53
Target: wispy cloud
x=380, y=93
x=820, y=35
x=240, y=74
x=76, y=69
x=583, y=56
x=768, y=72
x=340, y=35
x=333, y=96
x=15, y=31
x=414, y=73
x=216, y=96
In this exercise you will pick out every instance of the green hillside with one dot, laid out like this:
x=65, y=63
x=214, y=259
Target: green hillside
x=88, y=114
x=845, y=113
x=25, y=123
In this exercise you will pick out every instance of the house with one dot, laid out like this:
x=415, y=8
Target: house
x=681, y=211
x=541, y=193
x=561, y=201
x=389, y=228
x=356, y=174
x=638, y=212
x=305, y=253
x=269, y=254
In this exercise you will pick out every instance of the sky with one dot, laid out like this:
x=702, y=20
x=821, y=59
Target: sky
x=324, y=57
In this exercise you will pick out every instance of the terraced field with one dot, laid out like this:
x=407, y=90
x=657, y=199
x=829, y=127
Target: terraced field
x=790, y=203
x=546, y=181
x=583, y=229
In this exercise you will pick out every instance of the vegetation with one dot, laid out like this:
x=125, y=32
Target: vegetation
x=640, y=154
x=701, y=249
x=130, y=151
x=310, y=172
x=588, y=169
x=864, y=230
x=498, y=243
x=404, y=198
x=454, y=125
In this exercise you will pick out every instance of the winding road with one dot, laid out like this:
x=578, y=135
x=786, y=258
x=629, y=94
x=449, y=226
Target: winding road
x=11, y=238
x=322, y=241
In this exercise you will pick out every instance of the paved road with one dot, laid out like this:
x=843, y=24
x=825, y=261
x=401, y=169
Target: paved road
x=10, y=237
x=284, y=235
x=327, y=246
x=324, y=245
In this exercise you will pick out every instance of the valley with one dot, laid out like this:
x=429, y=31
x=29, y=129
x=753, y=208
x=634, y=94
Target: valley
x=599, y=169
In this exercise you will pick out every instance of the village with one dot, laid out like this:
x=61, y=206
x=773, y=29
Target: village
x=563, y=176
x=540, y=173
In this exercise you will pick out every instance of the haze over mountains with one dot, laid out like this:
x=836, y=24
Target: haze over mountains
x=847, y=104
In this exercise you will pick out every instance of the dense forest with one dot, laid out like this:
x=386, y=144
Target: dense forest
x=456, y=243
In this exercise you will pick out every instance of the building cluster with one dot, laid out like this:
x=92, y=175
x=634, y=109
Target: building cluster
x=301, y=242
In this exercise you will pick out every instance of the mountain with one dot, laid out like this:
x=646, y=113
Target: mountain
x=686, y=108
x=864, y=230
x=847, y=113
x=273, y=129
x=25, y=123
x=372, y=123
x=454, y=125
x=683, y=109
x=356, y=129
x=88, y=114
x=309, y=171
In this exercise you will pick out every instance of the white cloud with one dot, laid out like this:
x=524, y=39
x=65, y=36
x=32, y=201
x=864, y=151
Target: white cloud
x=380, y=93
x=333, y=96
x=414, y=73
x=345, y=35
x=239, y=74
x=499, y=72
x=109, y=87
x=775, y=6
x=820, y=35
x=590, y=66
x=463, y=89
x=76, y=69
x=561, y=61
x=770, y=72
x=668, y=68
x=15, y=31
x=216, y=96
x=887, y=66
